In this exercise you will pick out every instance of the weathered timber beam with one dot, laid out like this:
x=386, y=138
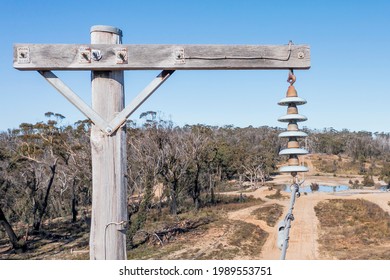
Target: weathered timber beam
x=159, y=57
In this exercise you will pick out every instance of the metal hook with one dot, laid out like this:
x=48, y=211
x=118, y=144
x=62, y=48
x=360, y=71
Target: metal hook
x=290, y=43
x=291, y=77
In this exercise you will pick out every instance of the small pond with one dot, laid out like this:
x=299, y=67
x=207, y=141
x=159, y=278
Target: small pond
x=328, y=189
x=385, y=188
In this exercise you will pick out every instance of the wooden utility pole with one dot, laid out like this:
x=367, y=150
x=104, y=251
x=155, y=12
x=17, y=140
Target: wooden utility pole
x=107, y=58
x=109, y=208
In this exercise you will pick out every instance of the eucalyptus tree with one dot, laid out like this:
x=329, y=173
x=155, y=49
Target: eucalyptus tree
x=173, y=164
x=143, y=169
x=200, y=151
x=37, y=154
x=7, y=197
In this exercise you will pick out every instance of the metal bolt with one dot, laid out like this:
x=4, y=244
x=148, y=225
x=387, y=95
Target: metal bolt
x=85, y=56
x=121, y=56
x=97, y=55
x=23, y=55
x=179, y=56
x=109, y=130
x=301, y=55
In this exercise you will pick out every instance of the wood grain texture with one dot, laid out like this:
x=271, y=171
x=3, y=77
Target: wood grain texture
x=109, y=196
x=160, y=57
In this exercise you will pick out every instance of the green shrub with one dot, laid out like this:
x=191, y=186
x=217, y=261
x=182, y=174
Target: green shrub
x=368, y=180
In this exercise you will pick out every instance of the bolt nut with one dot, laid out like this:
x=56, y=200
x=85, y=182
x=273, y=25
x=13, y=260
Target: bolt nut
x=96, y=55
x=109, y=130
x=301, y=55
x=84, y=55
x=23, y=55
x=121, y=55
x=179, y=56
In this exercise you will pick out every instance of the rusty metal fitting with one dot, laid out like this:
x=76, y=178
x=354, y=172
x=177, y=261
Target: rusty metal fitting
x=291, y=77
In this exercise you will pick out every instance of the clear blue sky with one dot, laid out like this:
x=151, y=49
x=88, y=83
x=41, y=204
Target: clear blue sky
x=346, y=87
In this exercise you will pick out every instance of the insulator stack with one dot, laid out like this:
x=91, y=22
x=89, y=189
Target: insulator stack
x=293, y=133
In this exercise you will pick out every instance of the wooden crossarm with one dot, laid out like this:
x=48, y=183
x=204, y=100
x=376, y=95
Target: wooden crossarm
x=159, y=57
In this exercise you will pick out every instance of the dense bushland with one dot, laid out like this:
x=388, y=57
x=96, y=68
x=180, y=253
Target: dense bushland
x=45, y=168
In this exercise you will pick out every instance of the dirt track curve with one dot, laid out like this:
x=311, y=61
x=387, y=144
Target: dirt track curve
x=303, y=243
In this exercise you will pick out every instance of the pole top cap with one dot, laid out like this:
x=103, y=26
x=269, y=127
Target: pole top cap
x=106, y=28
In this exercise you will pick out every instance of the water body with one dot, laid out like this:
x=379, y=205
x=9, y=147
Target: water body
x=327, y=189
x=385, y=188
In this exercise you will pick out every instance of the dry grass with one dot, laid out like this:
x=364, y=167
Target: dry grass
x=234, y=239
x=234, y=202
x=353, y=229
x=57, y=241
x=270, y=213
x=240, y=240
x=277, y=195
x=334, y=164
x=248, y=238
x=220, y=239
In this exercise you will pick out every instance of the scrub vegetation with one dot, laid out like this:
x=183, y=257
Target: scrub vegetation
x=46, y=181
x=353, y=229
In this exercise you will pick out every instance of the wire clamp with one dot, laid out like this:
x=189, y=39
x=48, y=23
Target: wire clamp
x=179, y=56
x=23, y=55
x=121, y=55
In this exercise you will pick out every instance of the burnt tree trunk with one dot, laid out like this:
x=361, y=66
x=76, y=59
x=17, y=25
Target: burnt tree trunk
x=42, y=210
x=74, y=202
x=173, y=204
x=212, y=184
x=142, y=212
x=196, y=190
x=16, y=244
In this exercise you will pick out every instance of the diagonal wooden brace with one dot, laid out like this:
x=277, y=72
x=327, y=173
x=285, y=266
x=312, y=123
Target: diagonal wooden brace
x=120, y=119
x=73, y=98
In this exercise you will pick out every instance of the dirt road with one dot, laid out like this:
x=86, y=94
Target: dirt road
x=303, y=234
x=303, y=243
